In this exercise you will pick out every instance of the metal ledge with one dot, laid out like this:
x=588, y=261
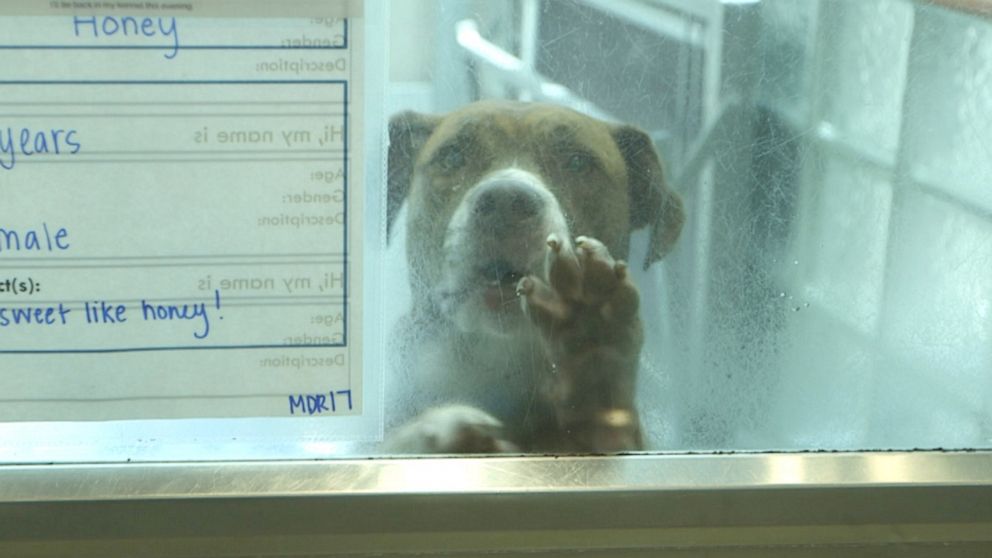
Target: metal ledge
x=503, y=475
x=510, y=504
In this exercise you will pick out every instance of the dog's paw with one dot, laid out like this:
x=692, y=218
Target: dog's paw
x=585, y=297
x=586, y=309
x=450, y=429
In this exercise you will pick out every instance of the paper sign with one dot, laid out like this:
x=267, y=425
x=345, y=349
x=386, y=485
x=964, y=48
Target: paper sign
x=180, y=212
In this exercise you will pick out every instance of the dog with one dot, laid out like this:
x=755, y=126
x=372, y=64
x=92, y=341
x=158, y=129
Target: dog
x=524, y=332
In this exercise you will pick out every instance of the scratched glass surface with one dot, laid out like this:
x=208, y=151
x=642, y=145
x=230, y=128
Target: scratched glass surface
x=830, y=288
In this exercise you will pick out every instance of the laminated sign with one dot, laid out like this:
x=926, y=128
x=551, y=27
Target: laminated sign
x=180, y=210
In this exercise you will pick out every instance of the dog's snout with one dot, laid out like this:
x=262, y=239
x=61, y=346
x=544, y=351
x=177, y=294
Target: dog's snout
x=508, y=199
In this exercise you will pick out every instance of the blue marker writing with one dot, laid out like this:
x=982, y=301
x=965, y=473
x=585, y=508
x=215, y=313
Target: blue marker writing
x=34, y=240
x=127, y=26
x=317, y=403
x=33, y=315
x=169, y=312
x=28, y=142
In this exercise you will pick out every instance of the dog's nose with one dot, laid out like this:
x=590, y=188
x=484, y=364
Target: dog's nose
x=508, y=198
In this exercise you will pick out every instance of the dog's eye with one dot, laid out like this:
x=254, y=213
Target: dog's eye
x=451, y=159
x=578, y=162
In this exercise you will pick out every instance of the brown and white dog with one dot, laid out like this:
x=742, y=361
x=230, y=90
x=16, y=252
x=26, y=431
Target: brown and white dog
x=524, y=332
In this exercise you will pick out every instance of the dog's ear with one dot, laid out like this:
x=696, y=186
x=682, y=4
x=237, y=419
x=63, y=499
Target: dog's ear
x=408, y=131
x=652, y=202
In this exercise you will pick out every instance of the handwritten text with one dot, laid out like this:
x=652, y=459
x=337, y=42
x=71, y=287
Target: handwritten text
x=110, y=26
x=27, y=142
x=33, y=240
x=107, y=313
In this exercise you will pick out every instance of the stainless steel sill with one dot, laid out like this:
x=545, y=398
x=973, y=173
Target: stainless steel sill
x=508, y=504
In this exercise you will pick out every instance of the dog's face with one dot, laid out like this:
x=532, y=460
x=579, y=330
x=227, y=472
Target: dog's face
x=486, y=186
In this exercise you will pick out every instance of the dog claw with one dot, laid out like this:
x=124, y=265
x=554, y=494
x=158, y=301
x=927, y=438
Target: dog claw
x=620, y=267
x=525, y=286
x=580, y=275
x=593, y=250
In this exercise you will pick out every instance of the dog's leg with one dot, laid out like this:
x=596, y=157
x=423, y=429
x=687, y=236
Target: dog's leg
x=587, y=312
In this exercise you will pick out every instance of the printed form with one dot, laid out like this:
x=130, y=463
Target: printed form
x=180, y=211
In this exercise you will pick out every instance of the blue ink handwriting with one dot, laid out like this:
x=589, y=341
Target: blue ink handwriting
x=317, y=403
x=170, y=312
x=34, y=315
x=127, y=26
x=105, y=312
x=33, y=240
x=102, y=312
x=35, y=142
